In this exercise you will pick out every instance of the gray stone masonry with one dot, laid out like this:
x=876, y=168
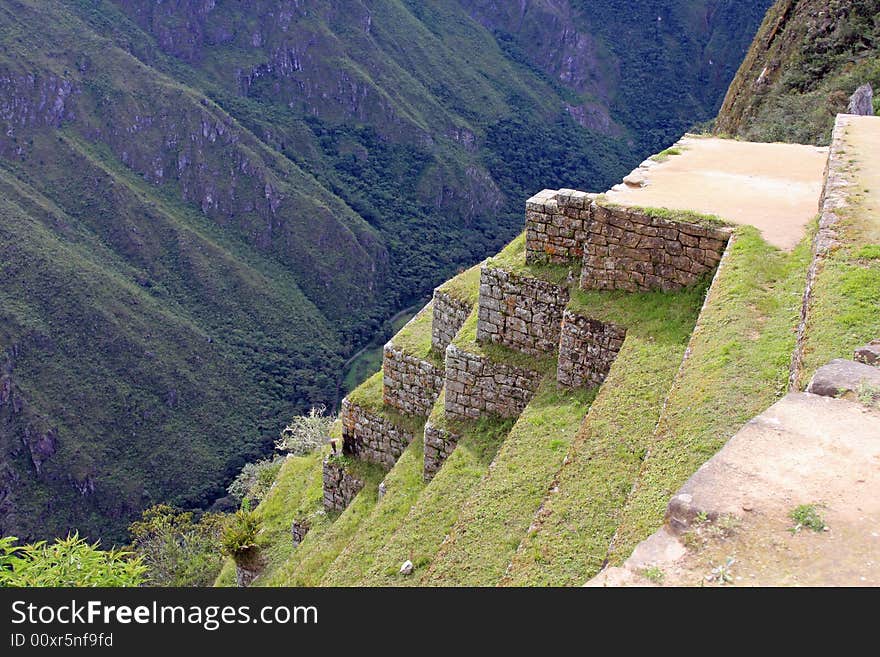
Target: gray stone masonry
x=298, y=531
x=587, y=349
x=556, y=225
x=439, y=444
x=520, y=312
x=478, y=387
x=628, y=250
x=449, y=315
x=410, y=384
x=340, y=487
x=371, y=437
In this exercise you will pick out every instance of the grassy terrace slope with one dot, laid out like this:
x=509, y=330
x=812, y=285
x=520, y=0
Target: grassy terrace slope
x=569, y=539
x=846, y=293
x=736, y=367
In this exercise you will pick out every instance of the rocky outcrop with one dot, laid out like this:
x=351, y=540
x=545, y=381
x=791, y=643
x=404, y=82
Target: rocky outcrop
x=862, y=101
x=841, y=378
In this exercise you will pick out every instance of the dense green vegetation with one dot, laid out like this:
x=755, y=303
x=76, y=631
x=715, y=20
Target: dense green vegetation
x=808, y=58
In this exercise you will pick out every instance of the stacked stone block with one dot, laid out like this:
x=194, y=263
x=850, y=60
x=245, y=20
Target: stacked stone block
x=340, y=486
x=627, y=249
x=410, y=384
x=477, y=386
x=298, y=531
x=370, y=436
x=520, y=312
x=439, y=444
x=587, y=349
x=556, y=225
x=449, y=315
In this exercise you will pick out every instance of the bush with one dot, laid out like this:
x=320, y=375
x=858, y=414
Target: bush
x=177, y=550
x=239, y=538
x=68, y=561
x=306, y=433
x=255, y=480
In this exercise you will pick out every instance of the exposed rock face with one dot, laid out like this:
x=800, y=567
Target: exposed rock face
x=439, y=444
x=520, y=312
x=587, y=349
x=628, y=249
x=556, y=225
x=340, y=486
x=862, y=101
x=476, y=386
x=370, y=436
x=410, y=384
x=450, y=314
x=869, y=354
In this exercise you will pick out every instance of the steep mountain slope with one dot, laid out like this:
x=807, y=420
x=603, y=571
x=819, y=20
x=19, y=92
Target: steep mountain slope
x=807, y=59
x=208, y=204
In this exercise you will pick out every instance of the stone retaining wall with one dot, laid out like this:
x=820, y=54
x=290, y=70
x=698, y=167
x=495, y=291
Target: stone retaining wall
x=626, y=249
x=410, y=384
x=340, y=487
x=439, y=444
x=449, y=315
x=556, y=225
x=298, y=531
x=478, y=387
x=371, y=437
x=520, y=312
x=587, y=349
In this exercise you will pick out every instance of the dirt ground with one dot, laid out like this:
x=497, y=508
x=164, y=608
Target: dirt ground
x=774, y=187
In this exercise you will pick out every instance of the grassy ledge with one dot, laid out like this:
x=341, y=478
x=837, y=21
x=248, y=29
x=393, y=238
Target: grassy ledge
x=844, y=311
x=497, y=515
x=466, y=340
x=666, y=214
x=737, y=367
x=414, y=339
x=368, y=396
x=438, y=506
x=664, y=155
x=513, y=259
x=569, y=539
x=465, y=286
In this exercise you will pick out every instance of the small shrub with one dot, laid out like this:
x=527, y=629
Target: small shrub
x=239, y=538
x=255, y=480
x=654, y=574
x=68, y=561
x=806, y=515
x=306, y=433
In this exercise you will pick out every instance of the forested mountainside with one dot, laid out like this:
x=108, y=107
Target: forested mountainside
x=207, y=204
x=808, y=58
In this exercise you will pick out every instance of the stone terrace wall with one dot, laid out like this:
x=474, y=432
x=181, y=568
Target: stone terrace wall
x=520, y=312
x=439, y=444
x=370, y=436
x=477, y=386
x=556, y=225
x=410, y=384
x=340, y=487
x=449, y=315
x=629, y=250
x=587, y=349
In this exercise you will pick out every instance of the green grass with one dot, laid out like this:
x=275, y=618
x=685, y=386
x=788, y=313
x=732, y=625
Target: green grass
x=497, y=515
x=513, y=259
x=843, y=313
x=738, y=366
x=465, y=286
x=572, y=532
x=807, y=516
x=664, y=155
x=296, y=495
x=368, y=396
x=414, y=339
x=419, y=536
x=404, y=483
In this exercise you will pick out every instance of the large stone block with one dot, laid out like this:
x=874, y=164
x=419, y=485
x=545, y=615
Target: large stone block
x=439, y=443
